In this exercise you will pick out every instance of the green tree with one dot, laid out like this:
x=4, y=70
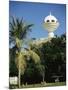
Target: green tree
x=41, y=70
x=53, y=56
x=12, y=66
x=17, y=34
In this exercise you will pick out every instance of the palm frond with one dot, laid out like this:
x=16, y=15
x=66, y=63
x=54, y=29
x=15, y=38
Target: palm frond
x=34, y=56
x=19, y=29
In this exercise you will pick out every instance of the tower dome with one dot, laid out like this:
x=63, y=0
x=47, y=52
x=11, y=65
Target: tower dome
x=50, y=18
x=51, y=24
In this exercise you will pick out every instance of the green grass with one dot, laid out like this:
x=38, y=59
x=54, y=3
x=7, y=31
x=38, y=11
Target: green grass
x=41, y=85
x=44, y=85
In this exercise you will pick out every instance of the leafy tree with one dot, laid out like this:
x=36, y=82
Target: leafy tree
x=41, y=70
x=53, y=56
x=12, y=66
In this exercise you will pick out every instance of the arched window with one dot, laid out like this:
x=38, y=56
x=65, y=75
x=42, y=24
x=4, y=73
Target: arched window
x=47, y=20
x=53, y=20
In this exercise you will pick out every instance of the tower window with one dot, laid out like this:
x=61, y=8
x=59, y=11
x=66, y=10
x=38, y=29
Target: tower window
x=47, y=20
x=52, y=20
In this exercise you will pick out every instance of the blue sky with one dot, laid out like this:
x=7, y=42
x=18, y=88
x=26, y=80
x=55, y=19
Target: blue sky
x=34, y=13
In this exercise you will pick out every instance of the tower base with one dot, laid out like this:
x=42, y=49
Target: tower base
x=50, y=35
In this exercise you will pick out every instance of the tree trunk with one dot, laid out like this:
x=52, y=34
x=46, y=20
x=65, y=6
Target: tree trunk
x=43, y=77
x=19, y=78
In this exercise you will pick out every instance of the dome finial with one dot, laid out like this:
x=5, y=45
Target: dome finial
x=50, y=13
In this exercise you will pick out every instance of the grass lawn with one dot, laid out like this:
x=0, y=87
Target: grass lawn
x=40, y=85
x=44, y=85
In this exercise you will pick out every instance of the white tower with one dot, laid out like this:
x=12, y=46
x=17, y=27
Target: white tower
x=51, y=24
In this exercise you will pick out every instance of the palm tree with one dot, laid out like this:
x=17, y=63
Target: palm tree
x=21, y=65
x=18, y=32
x=21, y=60
x=35, y=57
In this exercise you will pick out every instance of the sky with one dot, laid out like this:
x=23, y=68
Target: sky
x=34, y=13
